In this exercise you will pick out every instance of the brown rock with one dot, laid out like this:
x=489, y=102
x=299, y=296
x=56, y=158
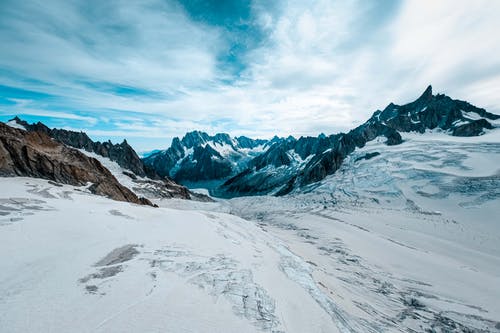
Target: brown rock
x=35, y=154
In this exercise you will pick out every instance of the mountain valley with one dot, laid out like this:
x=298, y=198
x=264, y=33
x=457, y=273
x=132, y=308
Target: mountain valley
x=390, y=227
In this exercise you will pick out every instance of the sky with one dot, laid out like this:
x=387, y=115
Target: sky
x=153, y=69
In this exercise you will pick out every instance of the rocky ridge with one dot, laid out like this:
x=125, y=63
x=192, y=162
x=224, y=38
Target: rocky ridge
x=121, y=153
x=35, y=154
x=146, y=182
x=293, y=164
x=200, y=157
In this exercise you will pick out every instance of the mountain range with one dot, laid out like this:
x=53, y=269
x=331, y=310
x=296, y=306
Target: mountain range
x=71, y=157
x=200, y=157
x=282, y=165
x=389, y=227
x=231, y=166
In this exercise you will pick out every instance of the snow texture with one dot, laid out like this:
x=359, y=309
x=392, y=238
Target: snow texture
x=406, y=240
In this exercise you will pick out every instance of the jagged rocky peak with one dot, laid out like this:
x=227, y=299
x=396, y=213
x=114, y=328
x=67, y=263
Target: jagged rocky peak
x=17, y=122
x=199, y=156
x=223, y=138
x=195, y=138
x=428, y=112
x=245, y=142
x=276, y=156
x=426, y=96
x=199, y=138
x=292, y=164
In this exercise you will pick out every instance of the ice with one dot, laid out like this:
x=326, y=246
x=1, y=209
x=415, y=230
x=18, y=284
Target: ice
x=15, y=124
x=83, y=263
x=404, y=241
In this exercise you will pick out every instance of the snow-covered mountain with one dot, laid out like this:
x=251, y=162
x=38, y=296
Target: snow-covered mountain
x=201, y=157
x=293, y=164
x=402, y=238
x=392, y=227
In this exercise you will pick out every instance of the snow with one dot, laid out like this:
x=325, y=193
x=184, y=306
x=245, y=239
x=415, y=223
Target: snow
x=405, y=241
x=298, y=160
x=475, y=116
x=490, y=136
x=188, y=154
x=459, y=122
x=223, y=149
x=115, y=169
x=15, y=124
x=239, y=157
x=471, y=115
x=194, y=271
x=254, y=151
x=410, y=234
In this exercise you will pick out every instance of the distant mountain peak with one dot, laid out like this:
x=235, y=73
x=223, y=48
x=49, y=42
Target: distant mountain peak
x=427, y=95
x=199, y=156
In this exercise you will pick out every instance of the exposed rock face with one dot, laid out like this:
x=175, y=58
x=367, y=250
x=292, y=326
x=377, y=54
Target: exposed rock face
x=122, y=153
x=295, y=163
x=276, y=156
x=164, y=189
x=436, y=111
x=367, y=156
x=206, y=164
x=473, y=128
x=200, y=157
x=35, y=154
x=291, y=164
x=151, y=185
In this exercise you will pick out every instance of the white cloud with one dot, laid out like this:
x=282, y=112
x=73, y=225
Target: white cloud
x=451, y=44
x=325, y=66
x=149, y=44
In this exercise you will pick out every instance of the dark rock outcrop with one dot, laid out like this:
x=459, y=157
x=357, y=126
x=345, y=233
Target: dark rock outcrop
x=436, y=111
x=166, y=189
x=367, y=156
x=35, y=154
x=194, y=157
x=474, y=128
x=204, y=164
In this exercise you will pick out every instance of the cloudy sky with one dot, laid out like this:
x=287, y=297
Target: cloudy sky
x=153, y=69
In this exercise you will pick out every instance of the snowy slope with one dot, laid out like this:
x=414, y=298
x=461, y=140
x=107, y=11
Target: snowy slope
x=144, y=186
x=15, y=124
x=116, y=170
x=408, y=239
x=80, y=263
